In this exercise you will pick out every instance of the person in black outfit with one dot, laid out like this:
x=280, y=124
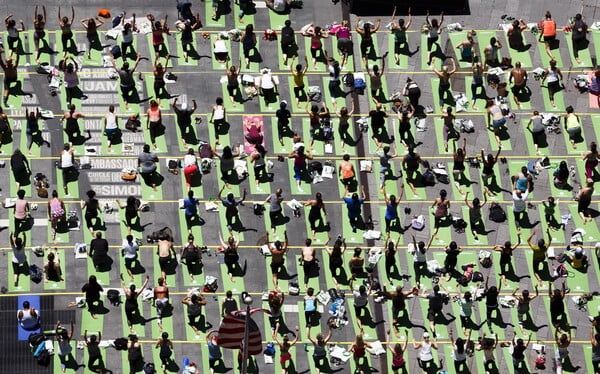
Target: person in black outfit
x=132, y=309
x=92, y=206
x=20, y=168
x=92, y=290
x=132, y=207
x=289, y=48
x=99, y=252
x=134, y=354
x=378, y=117
x=194, y=309
x=95, y=361
x=184, y=119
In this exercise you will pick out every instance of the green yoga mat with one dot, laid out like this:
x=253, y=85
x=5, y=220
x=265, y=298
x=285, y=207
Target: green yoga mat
x=216, y=65
x=164, y=103
x=93, y=325
x=435, y=82
x=138, y=328
x=208, y=18
x=96, y=58
x=256, y=58
x=383, y=92
x=349, y=65
x=24, y=281
x=396, y=229
x=351, y=237
x=276, y=20
x=529, y=141
x=318, y=147
x=481, y=236
x=402, y=57
x=558, y=99
x=286, y=148
x=45, y=48
x=340, y=100
x=584, y=54
x=438, y=124
x=61, y=285
x=106, y=360
x=148, y=193
x=580, y=176
x=580, y=143
x=555, y=52
x=72, y=186
x=523, y=57
x=246, y=19
x=591, y=228
x=193, y=60
x=312, y=281
x=103, y=277
x=444, y=234
x=282, y=281
x=61, y=237
x=560, y=193
x=480, y=101
x=456, y=38
x=238, y=107
x=237, y=286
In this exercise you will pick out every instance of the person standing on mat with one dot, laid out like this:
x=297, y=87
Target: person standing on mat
x=354, y=205
x=539, y=253
x=554, y=78
x=314, y=214
x=129, y=250
x=10, y=75
x=72, y=128
x=132, y=209
x=289, y=48
x=91, y=29
x=14, y=42
x=99, y=252
x=346, y=171
x=92, y=210
x=65, y=350
x=434, y=29
x=132, y=308
x=217, y=117
x=584, y=199
x=21, y=214
x=92, y=290
x=278, y=250
x=366, y=31
x=166, y=351
x=519, y=206
x=134, y=354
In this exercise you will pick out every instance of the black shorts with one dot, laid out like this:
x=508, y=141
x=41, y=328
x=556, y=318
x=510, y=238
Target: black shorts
x=431, y=314
x=549, y=38
x=129, y=262
x=8, y=82
x=276, y=268
x=163, y=262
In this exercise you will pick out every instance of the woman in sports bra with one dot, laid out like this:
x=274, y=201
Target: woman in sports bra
x=66, y=34
x=158, y=39
x=56, y=212
x=314, y=213
x=442, y=208
x=548, y=33
x=91, y=29
x=285, y=357
x=434, y=29
x=154, y=122
x=316, y=33
x=72, y=126
x=477, y=82
x=159, y=71
x=345, y=46
x=495, y=119
x=39, y=22
x=397, y=351
x=344, y=124
x=366, y=41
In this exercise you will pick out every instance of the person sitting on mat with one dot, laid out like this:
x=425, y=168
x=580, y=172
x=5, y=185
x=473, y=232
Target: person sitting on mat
x=28, y=317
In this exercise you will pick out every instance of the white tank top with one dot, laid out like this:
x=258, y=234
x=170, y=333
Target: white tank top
x=425, y=352
x=111, y=121
x=66, y=160
x=219, y=112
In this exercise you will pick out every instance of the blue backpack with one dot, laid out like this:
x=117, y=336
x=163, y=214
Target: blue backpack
x=360, y=84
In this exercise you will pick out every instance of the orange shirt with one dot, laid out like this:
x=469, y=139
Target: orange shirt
x=347, y=170
x=549, y=27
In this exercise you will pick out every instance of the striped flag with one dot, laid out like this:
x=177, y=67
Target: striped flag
x=231, y=331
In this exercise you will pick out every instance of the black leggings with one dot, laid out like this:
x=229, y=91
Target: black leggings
x=154, y=131
x=308, y=267
x=89, y=219
x=66, y=39
x=419, y=268
x=553, y=87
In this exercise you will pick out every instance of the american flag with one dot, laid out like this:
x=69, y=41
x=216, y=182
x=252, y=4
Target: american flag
x=231, y=331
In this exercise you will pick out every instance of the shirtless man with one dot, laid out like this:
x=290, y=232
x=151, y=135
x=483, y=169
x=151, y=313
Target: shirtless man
x=10, y=74
x=161, y=299
x=308, y=261
x=166, y=254
x=278, y=250
x=518, y=76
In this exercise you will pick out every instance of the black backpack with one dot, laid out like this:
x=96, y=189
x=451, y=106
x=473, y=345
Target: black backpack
x=44, y=358
x=497, y=214
x=315, y=166
x=36, y=274
x=258, y=209
x=428, y=179
x=36, y=339
x=120, y=344
x=348, y=80
x=459, y=225
x=114, y=296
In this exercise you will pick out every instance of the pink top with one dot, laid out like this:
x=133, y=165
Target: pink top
x=343, y=33
x=315, y=42
x=21, y=209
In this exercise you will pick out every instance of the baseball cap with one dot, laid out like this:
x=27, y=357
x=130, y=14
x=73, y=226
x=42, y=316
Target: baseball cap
x=425, y=335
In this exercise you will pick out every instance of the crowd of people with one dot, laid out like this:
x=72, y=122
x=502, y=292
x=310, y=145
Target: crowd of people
x=414, y=170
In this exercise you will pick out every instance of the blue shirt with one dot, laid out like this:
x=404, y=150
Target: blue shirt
x=391, y=211
x=191, y=206
x=353, y=206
